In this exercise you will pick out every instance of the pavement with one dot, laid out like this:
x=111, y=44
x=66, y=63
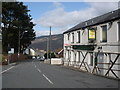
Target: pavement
x=36, y=74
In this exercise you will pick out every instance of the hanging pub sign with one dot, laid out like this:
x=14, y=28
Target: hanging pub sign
x=92, y=34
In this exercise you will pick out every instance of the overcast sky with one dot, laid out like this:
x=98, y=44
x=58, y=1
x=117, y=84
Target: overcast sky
x=63, y=15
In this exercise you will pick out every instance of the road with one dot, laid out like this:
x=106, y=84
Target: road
x=36, y=74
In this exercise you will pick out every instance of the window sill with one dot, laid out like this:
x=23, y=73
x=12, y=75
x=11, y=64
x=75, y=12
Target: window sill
x=77, y=42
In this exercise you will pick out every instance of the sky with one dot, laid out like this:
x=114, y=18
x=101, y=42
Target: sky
x=62, y=16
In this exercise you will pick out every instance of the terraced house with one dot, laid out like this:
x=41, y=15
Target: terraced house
x=94, y=45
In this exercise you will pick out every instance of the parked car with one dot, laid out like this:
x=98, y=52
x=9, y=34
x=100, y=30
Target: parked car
x=42, y=58
x=38, y=57
x=33, y=57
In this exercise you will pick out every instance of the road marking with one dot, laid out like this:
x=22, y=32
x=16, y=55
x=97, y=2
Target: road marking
x=39, y=70
x=47, y=79
x=32, y=61
x=7, y=69
x=43, y=75
x=35, y=66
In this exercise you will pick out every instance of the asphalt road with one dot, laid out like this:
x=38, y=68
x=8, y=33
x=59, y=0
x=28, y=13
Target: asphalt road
x=36, y=74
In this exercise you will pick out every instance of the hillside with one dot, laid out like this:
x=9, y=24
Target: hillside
x=41, y=42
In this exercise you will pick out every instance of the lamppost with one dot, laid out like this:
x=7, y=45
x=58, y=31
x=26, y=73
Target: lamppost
x=20, y=36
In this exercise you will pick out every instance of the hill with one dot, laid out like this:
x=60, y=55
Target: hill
x=41, y=42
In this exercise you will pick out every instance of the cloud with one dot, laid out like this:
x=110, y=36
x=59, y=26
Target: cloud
x=103, y=7
x=101, y=0
x=64, y=0
x=63, y=19
x=53, y=31
x=57, y=5
x=59, y=17
x=42, y=33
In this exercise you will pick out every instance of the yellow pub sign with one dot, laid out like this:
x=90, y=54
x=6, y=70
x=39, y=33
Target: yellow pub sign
x=92, y=34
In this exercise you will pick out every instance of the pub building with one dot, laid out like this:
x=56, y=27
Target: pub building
x=94, y=45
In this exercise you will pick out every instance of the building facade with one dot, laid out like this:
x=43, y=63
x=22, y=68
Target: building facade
x=94, y=45
x=30, y=51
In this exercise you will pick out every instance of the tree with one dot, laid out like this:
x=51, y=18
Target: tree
x=15, y=21
x=52, y=55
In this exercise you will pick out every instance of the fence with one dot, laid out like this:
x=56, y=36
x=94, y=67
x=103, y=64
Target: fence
x=109, y=67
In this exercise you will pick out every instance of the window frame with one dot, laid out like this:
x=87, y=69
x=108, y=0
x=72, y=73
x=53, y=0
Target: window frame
x=68, y=36
x=78, y=36
x=118, y=31
x=103, y=41
x=72, y=34
x=91, y=59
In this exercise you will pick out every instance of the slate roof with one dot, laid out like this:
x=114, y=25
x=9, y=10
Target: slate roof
x=111, y=16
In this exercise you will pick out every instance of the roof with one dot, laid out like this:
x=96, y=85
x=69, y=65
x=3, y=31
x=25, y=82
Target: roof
x=111, y=16
x=61, y=51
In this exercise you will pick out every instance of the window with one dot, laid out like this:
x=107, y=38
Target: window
x=91, y=59
x=68, y=53
x=104, y=33
x=78, y=36
x=79, y=56
x=118, y=31
x=68, y=36
x=72, y=37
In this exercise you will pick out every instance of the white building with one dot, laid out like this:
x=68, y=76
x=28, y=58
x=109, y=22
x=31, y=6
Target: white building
x=94, y=45
x=30, y=51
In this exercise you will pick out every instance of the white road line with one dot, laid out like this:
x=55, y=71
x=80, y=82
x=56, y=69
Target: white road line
x=35, y=66
x=44, y=75
x=48, y=79
x=39, y=70
x=7, y=69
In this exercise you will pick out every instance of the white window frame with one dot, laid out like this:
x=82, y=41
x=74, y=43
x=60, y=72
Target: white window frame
x=101, y=35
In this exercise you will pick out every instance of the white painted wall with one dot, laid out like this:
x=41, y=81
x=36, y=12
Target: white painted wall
x=110, y=46
x=56, y=61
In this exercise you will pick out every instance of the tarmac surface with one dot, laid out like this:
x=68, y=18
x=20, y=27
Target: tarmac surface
x=36, y=74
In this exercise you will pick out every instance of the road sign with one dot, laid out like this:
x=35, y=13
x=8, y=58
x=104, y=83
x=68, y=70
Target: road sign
x=11, y=51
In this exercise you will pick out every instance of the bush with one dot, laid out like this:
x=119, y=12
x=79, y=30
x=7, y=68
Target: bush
x=3, y=59
x=52, y=55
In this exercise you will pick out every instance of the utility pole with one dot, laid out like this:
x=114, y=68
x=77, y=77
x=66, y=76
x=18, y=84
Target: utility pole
x=50, y=44
x=47, y=47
